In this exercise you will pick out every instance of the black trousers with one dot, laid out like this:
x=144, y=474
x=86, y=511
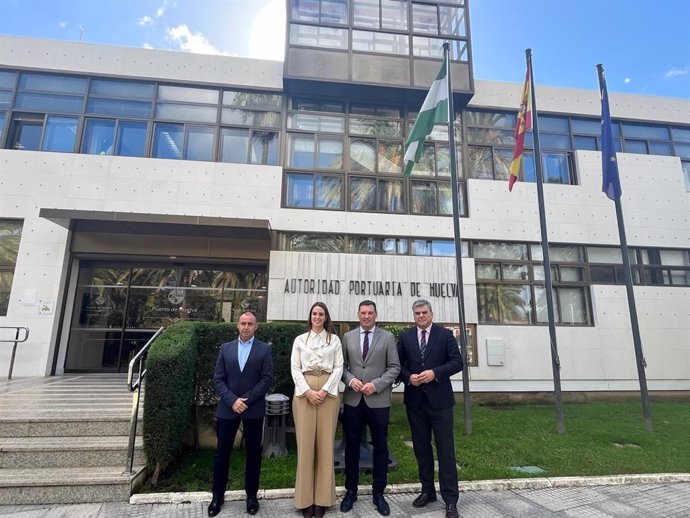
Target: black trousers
x=425, y=420
x=355, y=419
x=226, y=431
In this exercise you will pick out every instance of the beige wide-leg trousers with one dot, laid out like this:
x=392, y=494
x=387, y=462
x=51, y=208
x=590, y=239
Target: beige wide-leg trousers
x=315, y=433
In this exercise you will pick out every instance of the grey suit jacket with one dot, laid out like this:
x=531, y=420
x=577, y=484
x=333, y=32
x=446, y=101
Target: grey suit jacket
x=381, y=367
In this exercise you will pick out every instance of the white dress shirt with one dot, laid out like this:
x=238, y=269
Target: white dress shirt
x=315, y=351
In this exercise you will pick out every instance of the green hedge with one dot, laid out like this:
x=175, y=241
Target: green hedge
x=169, y=381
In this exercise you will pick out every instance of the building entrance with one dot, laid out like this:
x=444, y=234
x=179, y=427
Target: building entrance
x=118, y=307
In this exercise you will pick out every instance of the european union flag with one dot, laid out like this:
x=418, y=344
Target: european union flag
x=611, y=181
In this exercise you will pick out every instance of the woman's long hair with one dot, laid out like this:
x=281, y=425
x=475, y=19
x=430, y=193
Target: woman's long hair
x=327, y=323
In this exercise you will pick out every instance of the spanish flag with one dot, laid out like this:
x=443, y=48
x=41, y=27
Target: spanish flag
x=524, y=123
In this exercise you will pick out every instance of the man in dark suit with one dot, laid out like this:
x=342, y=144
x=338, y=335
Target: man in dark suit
x=371, y=366
x=429, y=356
x=243, y=375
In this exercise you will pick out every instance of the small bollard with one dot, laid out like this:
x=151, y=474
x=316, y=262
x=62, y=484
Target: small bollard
x=277, y=410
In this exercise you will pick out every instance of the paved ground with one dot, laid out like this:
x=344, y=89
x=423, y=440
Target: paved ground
x=665, y=500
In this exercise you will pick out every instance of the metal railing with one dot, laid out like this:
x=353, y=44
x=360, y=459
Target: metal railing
x=135, y=387
x=17, y=340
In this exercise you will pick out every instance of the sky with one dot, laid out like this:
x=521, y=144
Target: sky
x=644, y=45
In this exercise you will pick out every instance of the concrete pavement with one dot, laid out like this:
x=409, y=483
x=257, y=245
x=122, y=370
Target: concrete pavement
x=639, y=496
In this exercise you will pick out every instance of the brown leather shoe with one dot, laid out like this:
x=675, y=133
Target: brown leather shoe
x=451, y=511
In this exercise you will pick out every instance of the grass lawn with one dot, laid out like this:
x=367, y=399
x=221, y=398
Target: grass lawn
x=503, y=437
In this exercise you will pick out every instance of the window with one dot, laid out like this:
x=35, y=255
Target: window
x=380, y=14
x=313, y=191
x=438, y=19
x=10, y=234
x=510, y=284
x=380, y=42
x=319, y=11
x=372, y=194
x=177, y=141
x=313, y=242
x=322, y=37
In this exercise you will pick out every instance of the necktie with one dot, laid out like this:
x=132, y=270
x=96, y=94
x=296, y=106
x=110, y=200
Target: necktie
x=422, y=344
x=365, y=346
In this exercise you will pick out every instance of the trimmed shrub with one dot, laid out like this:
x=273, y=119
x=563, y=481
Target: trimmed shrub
x=169, y=382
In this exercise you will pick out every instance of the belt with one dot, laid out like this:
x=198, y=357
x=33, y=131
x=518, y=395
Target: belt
x=316, y=372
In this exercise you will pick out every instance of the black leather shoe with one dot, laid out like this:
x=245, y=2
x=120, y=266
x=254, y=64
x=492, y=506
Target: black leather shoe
x=252, y=505
x=319, y=511
x=215, y=505
x=308, y=512
x=348, y=500
x=423, y=499
x=451, y=511
x=381, y=505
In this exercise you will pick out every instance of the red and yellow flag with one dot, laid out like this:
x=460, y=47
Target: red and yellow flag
x=524, y=123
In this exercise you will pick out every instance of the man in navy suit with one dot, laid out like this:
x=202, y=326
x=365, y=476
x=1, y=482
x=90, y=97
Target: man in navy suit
x=429, y=356
x=242, y=377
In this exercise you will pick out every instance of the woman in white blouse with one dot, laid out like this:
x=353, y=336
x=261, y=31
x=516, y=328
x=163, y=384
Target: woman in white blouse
x=317, y=366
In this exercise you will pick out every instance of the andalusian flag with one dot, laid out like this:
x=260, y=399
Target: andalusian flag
x=524, y=123
x=434, y=111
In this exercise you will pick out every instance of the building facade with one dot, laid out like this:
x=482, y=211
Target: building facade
x=142, y=187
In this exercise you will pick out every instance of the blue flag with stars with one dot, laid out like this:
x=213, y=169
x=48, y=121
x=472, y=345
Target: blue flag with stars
x=611, y=181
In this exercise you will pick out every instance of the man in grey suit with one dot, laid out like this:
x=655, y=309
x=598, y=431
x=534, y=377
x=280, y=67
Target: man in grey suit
x=371, y=366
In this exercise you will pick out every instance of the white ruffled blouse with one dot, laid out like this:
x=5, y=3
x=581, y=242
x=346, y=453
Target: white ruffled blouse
x=315, y=351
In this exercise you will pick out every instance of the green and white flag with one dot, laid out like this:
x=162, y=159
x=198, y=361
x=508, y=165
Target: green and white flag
x=434, y=111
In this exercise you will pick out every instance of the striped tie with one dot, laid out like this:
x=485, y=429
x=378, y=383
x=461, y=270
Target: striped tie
x=365, y=345
x=422, y=344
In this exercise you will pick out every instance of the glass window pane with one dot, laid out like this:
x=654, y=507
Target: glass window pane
x=554, y=124
x=491, y=119
x=49, y=102
x=588, y=143
x=325, y=37
x=685, y=166
x=187, y=112
x=573, y=305
x=674, y=257
x=542, y=308
x=635, y=146
x=680, y=134
x=515, y=272
x=241, y=117
x=168, y=140
x=481, y=163
x=445, y=199
x=10, y=234
x=199, y=143
x=98, y=137
x=366, y=13
x=660, y=148
x=488, y=250
x=7, y=79
x=560, y=253
x=420, y=247
x=394, y=15
x=333, y=11
x=328, y=192
x=52, y=83
x=314, y=242
x=234, y=145
x=556, y=168
x=424, y=18
x=60, y=134
x=424, y=198
x=539, y=273
x=487, y=272
x=300, y=190
x=369, y=126
x=586, y=127
x=264, y=148
x=5, y=290
x=301, y=151
x=390, y=196
x=381, y=42
x=602, y=274
x=114, y=88
x=2, y=124
x=452, y=20
x=330, y=153
x=551, y=141
x=362, y=194
x=426, y=165
x=645, y=132
x=363, y=155
x=5, y=99
x=311, y=122
x=683, y=150
x=433, y=48
x=515, y=304
x=571, y=274
x=490, y=136
x=118, y=107
x=131, y=138
x=305, y=10
x=390, y=157
x=502, y=161
x=187, y=94
x=442, y=248
x=488, y=304
x=252, y=99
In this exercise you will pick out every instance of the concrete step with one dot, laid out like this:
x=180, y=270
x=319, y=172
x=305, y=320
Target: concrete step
x=59, y=452
x=67, y=485
x=66, y=425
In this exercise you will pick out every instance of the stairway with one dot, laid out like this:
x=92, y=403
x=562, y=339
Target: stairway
x=64, y=439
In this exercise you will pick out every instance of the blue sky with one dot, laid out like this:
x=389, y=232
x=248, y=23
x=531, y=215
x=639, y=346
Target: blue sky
x=644, y=45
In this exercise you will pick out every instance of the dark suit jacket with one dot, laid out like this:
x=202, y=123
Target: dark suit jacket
x=253, y=383
x=443, y=357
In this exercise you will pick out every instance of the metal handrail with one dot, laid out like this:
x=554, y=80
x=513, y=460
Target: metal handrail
x=16, y=341
x=135, y=386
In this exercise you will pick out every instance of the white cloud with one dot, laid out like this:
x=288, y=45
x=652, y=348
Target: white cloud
x=161, y=8
x=627, y=80
x=147, y=46
x=62, y=24
x=196, y=42
x=144, y=21
x=267, y=35
x=675, y=72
